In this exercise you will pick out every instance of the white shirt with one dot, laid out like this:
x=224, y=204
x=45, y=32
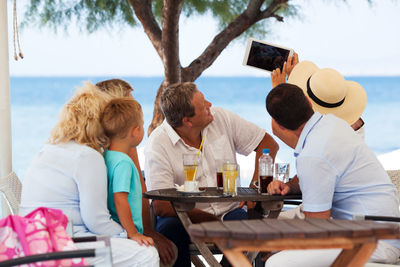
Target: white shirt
x=338, y=171
x=73, y=178
x=223, y=137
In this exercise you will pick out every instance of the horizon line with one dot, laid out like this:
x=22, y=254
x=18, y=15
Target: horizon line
x=161, y=76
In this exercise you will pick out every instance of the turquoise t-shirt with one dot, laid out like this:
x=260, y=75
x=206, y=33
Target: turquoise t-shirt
x=124, y=177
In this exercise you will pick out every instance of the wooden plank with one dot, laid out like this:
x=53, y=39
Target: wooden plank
x=357, y=229
x=262, y=231
x=308, y=229
x=239, y=230
x=382, y=228
x=285, y=229
x=216, y=229
x=334, y=230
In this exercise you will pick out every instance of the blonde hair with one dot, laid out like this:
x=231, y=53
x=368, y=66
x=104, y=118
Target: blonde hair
x=79, y=119
x=120, y=115
x=115, y=87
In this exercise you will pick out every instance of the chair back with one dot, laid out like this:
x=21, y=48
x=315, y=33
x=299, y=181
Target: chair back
x=395, y=177
x=10, y=188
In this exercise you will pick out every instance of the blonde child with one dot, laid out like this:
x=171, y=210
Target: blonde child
x=122, y=121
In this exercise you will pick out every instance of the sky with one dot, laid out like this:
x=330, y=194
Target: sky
x=353, y=37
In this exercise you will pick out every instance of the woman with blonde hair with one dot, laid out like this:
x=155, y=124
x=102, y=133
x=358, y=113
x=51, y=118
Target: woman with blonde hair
x=69, y=174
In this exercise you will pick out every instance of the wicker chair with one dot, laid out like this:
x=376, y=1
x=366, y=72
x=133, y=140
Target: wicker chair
x=395, y=177
x=10, y=188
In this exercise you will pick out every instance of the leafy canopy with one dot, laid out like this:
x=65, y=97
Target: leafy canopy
x=91, y=15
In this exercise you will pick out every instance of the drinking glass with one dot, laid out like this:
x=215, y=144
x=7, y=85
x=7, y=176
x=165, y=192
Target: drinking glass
x=190, y=166
x=230, y=175
x=218, y=171
x=282, y=172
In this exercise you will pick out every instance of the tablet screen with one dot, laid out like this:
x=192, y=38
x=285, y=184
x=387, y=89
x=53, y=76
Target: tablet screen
x=267, y=57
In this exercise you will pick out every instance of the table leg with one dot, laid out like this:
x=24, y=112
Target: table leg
x=237, y=258
x=205, y=252
x=357, y=256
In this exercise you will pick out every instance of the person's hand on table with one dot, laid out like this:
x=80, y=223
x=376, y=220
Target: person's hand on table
x=164, y=247
x=278, y=76
x=291, y=62
x=277, y=187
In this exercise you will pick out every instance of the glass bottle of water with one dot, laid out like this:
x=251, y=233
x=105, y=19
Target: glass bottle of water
x=265, y=171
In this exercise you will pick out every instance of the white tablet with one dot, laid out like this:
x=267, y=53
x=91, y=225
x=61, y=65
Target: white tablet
x=265, y=56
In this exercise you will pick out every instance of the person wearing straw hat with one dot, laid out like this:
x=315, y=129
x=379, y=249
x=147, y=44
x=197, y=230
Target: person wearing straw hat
x=326, y=89
x=338, y=174
x=192, y=125
x=328, y=92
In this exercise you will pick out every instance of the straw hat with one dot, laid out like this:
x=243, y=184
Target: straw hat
x=329, y=92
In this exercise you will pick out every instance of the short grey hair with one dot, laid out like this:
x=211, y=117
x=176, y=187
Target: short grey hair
x=176, y=102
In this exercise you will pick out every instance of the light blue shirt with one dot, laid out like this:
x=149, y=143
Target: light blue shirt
x=124, y=177
x=337, y=171
x=73, y=178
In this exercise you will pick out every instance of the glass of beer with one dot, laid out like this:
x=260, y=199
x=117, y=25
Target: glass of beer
x=190, y=166
x=230, y=175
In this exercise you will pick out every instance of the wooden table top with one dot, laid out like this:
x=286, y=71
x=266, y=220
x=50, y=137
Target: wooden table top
x=211, y=194
x=270, y=229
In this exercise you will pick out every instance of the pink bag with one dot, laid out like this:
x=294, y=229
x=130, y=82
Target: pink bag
x=41, y=231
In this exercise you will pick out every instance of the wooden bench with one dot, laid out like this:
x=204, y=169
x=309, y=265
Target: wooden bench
x=358, y=239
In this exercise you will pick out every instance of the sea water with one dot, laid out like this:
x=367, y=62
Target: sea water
x=36, y=102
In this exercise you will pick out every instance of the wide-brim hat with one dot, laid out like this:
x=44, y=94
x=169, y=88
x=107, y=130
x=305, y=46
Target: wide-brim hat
x=329, y=92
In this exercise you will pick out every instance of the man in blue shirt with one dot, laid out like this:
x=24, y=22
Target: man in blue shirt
x=337, y=173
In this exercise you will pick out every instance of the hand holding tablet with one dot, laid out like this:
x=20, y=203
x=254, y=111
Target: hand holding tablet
x=265, y=56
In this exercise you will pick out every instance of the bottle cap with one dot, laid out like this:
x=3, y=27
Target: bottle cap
x=265, y=151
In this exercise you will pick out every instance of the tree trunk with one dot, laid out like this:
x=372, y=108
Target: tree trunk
x=158, y=115
x=168, y=45
x=170, y=50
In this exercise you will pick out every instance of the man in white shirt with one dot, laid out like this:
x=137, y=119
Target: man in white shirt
x=189, y=118
x=337, y=174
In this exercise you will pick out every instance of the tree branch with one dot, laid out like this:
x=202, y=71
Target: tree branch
x=221, y=41
x=250, y=16
x=145, y=14
x=170, y=40
x=271, y=9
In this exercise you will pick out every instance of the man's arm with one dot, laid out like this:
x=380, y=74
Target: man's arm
x=266, y=142
x=319, y=215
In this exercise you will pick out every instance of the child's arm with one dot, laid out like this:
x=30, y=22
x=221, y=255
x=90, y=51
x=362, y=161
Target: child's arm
x=125, y=217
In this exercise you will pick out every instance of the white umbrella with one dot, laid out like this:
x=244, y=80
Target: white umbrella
x=5, y=118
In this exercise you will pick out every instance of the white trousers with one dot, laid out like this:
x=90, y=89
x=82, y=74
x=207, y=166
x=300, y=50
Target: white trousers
x=384, y=253
x=125, y=252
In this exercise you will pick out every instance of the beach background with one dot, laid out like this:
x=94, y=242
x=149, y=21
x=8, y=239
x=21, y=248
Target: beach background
x=358, y=38
x=36, y=102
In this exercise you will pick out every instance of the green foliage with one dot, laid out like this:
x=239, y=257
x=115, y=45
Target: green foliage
x=92, y=15
x=226, y=11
